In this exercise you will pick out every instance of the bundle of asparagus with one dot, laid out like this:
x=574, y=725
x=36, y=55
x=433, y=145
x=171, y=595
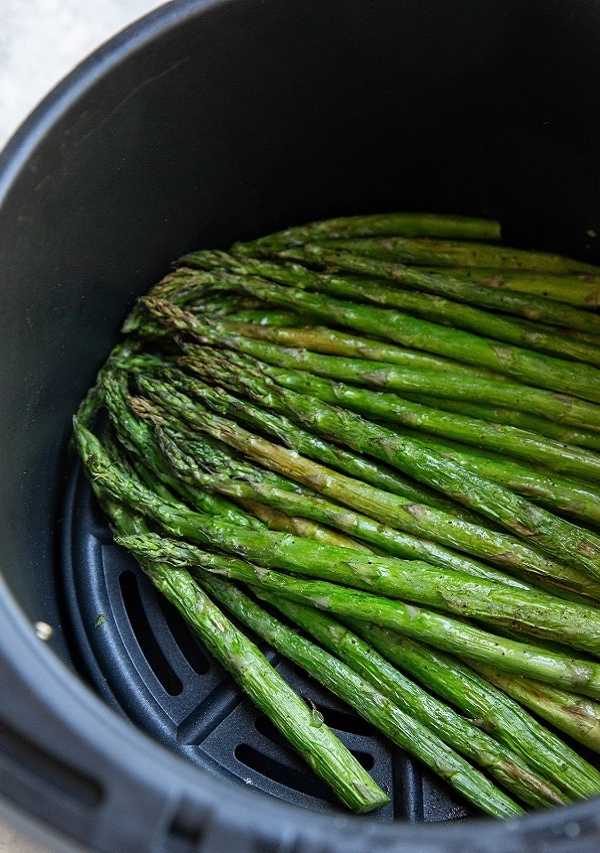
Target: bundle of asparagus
x=375, y=441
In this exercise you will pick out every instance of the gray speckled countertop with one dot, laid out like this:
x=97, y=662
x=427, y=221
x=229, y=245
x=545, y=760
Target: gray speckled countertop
x=40, y=42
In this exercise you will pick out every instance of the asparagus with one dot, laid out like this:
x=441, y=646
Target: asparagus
x=533, y=368
x=336, y=342
x=357, y=271
x=254, y=485
x=304, y=366
x=515, y=418
x=575, y=499
x=574, y=715
x=436, y=308
x=452, y=226
x=449, y=253
x=440, y=631
x=555, y=536
x=375, y=706
x=276, y=519
x=476, y=745
x=398, y=512
x=314, y=742
x=489, y=708
x=137, y=437
x=579, y=289
x=308, y=444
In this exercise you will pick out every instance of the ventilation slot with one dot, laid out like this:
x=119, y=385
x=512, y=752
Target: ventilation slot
x=145, y=635
x=283, y=774
x=184, y=638
x=266, y=728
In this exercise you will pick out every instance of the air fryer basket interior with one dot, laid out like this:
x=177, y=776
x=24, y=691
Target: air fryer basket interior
x=204, y=124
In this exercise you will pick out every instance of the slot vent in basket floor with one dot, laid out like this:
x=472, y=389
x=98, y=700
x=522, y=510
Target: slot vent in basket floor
x=139, y=654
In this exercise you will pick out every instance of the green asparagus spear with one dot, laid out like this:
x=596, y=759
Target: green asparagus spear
x=310, y=445
x=476, y=745
x=441, y=631
x=378, y=277
x=552, y=534
x=523, y=365
x=579, y=289
x=137, y=436
x=317, y=744
x=304, y=366
x=374, y=705
x=576, y=716
x=398, y=512
x=513, y=417
x=429, y=306
x=450, y=253
x=451, y=226
x=578, y=500
x=253, y=484
x=489, y=708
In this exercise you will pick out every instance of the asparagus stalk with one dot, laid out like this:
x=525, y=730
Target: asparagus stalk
x=336, y=342
x=579, y=289
x=451, y=226
x=505, y=766
x=137, y=437
x=555, y=536
x=575, y=499
x=373, y=705
x=523, y=365
x=489, y=708
x=436, y=308
x=254, y=485
x=304, y=366
x=450, y=253
x=313, y=740
x=515, y=418
x=438, y=630
x=356, y=270
x=437, y=282
x=308, y=444
x=576, y=716
x=398, y=512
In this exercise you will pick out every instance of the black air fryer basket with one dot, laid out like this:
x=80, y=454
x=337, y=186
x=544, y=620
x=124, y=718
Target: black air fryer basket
x=206, y=123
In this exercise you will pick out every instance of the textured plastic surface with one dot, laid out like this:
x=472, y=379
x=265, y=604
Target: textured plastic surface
x=205, y=123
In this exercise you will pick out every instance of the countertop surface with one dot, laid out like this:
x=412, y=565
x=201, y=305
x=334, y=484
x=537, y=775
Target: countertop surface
x=40, y=42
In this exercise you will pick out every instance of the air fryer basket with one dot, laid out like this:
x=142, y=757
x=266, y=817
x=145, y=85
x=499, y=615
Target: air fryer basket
x=205, y=123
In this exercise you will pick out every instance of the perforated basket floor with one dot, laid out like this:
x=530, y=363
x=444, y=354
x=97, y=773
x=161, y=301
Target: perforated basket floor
x=140, y=656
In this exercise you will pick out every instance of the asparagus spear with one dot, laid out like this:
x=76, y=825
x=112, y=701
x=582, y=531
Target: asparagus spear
x=489, y=708
x=304, y=366
x=515, y=418
x=336, y=342
x=137, y=437
x=559, y=494
x=356, y=271
x=253, y=484
x=552, y=534
x=436, y=308
x=476, y=745
x=441, y=631
x=579, y=289
x=523, y=365
x=452, y=226
x=576, y=716
x=451, y=253
x=374, y=705
x=316, y=744
x=308, y=444
x=398, y=512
